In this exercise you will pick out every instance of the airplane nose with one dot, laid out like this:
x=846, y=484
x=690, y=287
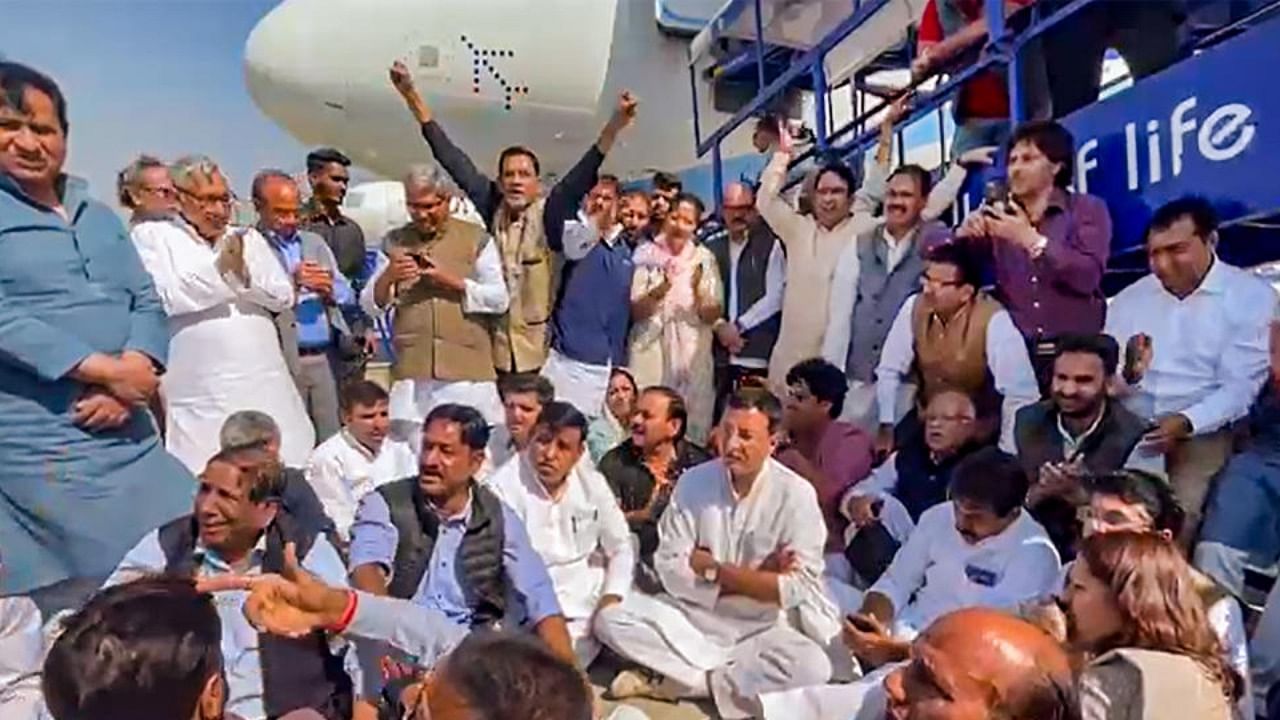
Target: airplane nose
x=285, y=67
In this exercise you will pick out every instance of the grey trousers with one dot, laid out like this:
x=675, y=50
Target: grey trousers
x=319, y=391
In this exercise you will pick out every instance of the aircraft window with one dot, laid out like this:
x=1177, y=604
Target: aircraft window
x=428, y=56
x=354, y=200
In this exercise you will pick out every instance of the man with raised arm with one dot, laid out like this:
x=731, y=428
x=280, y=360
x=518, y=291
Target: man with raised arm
x=527, y=225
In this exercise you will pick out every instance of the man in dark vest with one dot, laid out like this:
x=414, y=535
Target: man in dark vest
x=874, y=277
x=1077, y=432
x=753, y=273
x=447, y=543
x=240, y=526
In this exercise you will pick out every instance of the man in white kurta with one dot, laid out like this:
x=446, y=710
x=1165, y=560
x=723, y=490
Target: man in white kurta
x=573, y=519
x=740, y=555
x=220, y=286
x=358, y=458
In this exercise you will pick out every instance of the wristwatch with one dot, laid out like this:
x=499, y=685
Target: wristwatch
x=712, y=574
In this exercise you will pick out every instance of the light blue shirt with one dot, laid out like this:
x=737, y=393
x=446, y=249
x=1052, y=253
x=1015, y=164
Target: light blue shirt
x=313, y=321
x=424, y=634
x=374, y=540
x=241, y=658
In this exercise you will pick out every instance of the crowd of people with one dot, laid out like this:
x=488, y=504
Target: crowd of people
x=842, y=462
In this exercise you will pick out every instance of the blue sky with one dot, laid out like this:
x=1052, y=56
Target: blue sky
x=158, y=76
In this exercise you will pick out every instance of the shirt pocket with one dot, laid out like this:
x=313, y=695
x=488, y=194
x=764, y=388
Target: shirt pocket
x=585, y=526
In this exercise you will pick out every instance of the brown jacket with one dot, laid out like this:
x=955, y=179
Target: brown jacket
x=434, y=337
x=520, y=338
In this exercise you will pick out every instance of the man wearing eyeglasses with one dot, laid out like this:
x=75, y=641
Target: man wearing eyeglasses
x=221, y=286
x=145, y=188
x=952, y=336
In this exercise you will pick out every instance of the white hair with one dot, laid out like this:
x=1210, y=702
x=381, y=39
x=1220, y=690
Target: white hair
x=428, y=177
x=248, y=427
x=186, y=170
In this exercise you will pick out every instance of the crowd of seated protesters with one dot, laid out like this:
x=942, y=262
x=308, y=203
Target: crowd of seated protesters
x=807, y=460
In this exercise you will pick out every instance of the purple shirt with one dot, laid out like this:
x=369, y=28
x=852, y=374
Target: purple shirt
x=843, y=459
x=1061, y=291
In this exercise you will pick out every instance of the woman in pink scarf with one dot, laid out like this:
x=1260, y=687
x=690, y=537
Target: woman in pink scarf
x=675, y=299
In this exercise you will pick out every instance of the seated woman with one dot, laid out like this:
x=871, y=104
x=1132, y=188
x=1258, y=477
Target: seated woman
x=1134, y=614
x=675, y=301
x=614, y=424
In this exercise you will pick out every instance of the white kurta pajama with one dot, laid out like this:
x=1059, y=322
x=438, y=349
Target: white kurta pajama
x=582, y=537
x=733, y=646
x=485, y=293
x=224, y=349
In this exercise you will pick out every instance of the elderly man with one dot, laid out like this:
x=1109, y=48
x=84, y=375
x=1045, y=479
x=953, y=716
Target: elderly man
x=83, y=341
x=952, y=336
x=741, y=551
x=311, y=331
x=146, y=190
x=527, y=228
x=1195, y=334
x=980, y=549
x=574, y=522
x=221, y=287
x=241, y=524
x=443, y=277
x=593, y=312
x=753, y=273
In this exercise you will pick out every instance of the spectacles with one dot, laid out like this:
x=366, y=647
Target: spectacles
x=211, y=201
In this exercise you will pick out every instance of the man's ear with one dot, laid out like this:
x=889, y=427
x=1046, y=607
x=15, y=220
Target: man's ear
x=213, y=698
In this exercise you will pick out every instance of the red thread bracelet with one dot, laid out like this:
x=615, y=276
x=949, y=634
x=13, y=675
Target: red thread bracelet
x=348, y=614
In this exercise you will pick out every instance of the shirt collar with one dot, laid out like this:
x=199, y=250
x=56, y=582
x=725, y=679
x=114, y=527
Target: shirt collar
x=755, y=484
x=207, y=556
x=357, y=445
x=461, y=518
x=1058, y=199
x=72, y=191
x=1066, y=434
x=1215, y=281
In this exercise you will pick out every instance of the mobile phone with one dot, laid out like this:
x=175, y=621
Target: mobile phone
x=861, y=623
x=423, y=261
x=995, y=192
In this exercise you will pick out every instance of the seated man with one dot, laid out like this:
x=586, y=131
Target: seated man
x=1078, y=430
x=253, y=429
x=574, y=521
x=977, y=550
x=955, y=337
x=642, y=470
x=741, y=549
x=1241, y=522
x=447, y=543
x=523, y=397
x=1194, y=334
x=833, y=454
x=240, y=525
x=352, y=463
x=983, y=664
x=917, y=475
x=972, y=664
x=146, y=650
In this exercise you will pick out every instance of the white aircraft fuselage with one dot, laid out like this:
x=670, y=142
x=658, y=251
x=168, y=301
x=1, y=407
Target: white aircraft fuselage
x=540, y=73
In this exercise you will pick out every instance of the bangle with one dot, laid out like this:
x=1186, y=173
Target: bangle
x=348, y=614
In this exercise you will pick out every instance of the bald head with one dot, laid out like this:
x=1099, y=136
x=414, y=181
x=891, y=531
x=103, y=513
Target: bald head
x=981, y=663
x=739, y=208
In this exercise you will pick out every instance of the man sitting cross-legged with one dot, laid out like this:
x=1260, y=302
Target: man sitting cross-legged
x=741, y=546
